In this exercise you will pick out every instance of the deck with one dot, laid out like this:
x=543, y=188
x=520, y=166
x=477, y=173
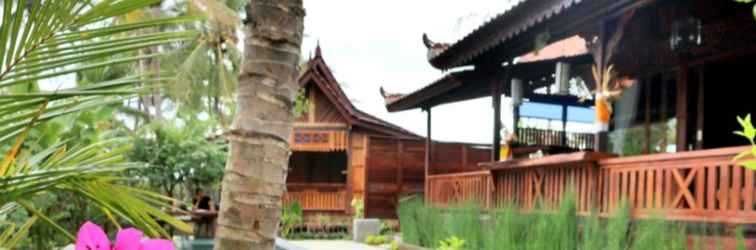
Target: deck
x=700, y=186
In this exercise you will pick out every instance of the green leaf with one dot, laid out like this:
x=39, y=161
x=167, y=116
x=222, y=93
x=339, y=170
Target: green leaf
x=749, y=164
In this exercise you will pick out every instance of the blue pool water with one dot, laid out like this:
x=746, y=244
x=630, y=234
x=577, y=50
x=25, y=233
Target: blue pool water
x=207, y=244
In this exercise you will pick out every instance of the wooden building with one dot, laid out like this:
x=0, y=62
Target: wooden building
x=340, y=153
x=674, y=63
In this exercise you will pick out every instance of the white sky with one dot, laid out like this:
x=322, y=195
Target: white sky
x=369, y=44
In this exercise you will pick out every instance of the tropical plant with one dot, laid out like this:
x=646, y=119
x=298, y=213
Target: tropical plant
x=359, y=208
x=42, y=43
x=451, y=243
x=91, y=236
x=206, y=68
x=748, y=132
x=255, y=178
x=291, y=216
x=375, y=240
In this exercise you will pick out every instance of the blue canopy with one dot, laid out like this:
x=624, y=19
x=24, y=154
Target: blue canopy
x=554, y=112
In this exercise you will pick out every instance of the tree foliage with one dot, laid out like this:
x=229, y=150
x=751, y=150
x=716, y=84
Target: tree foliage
x=178, y=155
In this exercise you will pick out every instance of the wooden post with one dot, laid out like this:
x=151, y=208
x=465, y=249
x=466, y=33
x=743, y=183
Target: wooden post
x=564, y=125
x=700, y=110
x=496, y=100
x=682, y=105
x=400, y=167
x=428, y=148
x=664, y=104
x=516, y=120
x=647, y=122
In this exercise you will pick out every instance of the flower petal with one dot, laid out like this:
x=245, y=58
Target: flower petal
x=128, y=239
x=157, y=245
x=91, y=237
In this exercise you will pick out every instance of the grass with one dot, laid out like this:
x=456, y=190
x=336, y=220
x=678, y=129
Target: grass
x=508, y=228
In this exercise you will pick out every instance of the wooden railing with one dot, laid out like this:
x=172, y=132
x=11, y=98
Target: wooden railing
x=702, y=186
x=554, y=138
x=315, y=197
x=697, y=186
x=459, y=188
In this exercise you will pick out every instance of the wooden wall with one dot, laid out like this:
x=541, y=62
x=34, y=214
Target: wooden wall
x=357, y=158
x=396, y=167
x=320, y=109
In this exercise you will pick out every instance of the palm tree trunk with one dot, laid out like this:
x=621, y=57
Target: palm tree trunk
x=255, y=175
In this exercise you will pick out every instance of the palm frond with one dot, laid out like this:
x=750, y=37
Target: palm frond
x=41, y=43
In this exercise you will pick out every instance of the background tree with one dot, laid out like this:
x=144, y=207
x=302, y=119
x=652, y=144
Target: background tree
x=176, y=156
x=255, y=177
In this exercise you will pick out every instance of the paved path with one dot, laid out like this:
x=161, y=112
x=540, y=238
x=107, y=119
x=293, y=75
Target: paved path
x=332, y=245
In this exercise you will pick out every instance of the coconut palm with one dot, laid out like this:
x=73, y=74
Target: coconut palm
x=255, y=175
x=42, y=44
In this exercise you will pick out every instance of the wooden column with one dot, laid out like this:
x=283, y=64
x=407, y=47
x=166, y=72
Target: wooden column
x=564, y=125
x=700, y=110
x=682, y=106
x=496, y=100
x=646, y=84
x=400, y=167
x=664, y=104
x=428, y=148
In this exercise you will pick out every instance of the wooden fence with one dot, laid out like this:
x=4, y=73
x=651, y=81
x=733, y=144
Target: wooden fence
x=703, y=186
x=396, y=167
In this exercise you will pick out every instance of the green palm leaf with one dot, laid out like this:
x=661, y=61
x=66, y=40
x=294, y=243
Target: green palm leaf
x=41, y=43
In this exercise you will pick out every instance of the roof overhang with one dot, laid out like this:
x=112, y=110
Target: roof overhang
x=513, y=32
x=472, y=84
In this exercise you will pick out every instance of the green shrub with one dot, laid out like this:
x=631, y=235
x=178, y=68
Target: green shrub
x=291, y=215
x=375, y=240
x=408, y=222
x=451, y=243
x=509, y=228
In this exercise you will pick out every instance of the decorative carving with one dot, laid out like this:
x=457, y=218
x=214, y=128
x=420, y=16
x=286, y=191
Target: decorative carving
x=319, y=141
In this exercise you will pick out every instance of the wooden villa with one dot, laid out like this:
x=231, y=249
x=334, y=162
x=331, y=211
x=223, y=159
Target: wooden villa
x=340, y=153
x=673, y=62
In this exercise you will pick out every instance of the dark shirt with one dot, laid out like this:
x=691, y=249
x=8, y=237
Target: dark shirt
x=203, y=204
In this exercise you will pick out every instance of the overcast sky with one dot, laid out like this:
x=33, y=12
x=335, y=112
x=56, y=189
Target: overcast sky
x=369, y=44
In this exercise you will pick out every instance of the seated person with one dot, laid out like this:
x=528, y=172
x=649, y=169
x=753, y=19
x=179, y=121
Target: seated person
x=203, y=204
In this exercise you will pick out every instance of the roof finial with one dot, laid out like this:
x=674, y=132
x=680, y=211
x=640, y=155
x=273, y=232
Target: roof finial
x=317, y=49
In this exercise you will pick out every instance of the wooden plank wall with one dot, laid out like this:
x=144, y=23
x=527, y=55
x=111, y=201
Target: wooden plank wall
x=357, y=158
x=396, y=167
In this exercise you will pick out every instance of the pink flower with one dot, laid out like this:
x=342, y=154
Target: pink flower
x=92, y=237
